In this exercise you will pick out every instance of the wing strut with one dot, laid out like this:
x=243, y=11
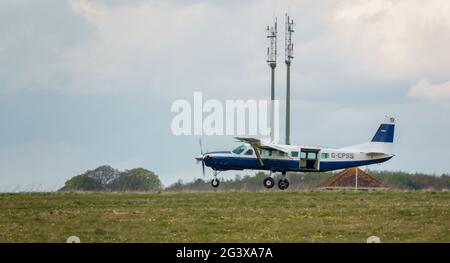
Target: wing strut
x=255, y=148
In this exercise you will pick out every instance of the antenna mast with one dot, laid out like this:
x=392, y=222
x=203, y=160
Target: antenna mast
x=289, y=55
x=272, y=62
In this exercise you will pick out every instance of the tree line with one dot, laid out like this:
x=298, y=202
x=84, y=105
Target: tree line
x=105, y=178
x=310, y=181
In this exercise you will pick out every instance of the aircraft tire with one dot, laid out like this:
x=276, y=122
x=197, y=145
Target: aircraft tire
x=268, y=182
x=283, y=184
x=286, y=184
x=215, y=182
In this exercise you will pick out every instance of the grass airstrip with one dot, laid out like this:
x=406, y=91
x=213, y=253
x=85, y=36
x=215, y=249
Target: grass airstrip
x=310, y=216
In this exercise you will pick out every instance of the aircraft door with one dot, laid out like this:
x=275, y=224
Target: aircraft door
x=309, y=159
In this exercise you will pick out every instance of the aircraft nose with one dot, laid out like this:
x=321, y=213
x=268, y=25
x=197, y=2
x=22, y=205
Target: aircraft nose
x=202, y=157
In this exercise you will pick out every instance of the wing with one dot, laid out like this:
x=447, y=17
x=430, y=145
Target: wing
x=255, y=143
x=259, y=144
x=262, y=144
x=249, y=140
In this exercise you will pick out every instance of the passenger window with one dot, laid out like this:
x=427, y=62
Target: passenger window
x=267, y=152
x=249, y=152
x=312, y=156
x=294, y=154
x=280, y=153
x=324, y=155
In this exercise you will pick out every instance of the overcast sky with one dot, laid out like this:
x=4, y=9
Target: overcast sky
x=85, y=83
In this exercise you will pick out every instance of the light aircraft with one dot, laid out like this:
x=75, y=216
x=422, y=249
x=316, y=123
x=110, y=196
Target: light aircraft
x=257, y=154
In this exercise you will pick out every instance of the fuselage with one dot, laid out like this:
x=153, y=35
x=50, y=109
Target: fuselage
x=296, y=159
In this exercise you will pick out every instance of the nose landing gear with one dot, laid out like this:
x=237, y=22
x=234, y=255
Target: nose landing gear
x=215, y=182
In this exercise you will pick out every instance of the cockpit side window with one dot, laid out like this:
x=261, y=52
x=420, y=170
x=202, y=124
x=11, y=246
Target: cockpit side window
x=249, y=152
x=239, y=149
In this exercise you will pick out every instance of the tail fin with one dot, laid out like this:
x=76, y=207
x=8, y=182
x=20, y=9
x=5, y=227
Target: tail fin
x=385, y=132
x=381, y=142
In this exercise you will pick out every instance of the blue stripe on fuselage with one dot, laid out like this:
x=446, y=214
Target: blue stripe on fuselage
x=330, y=166
x=223, y=163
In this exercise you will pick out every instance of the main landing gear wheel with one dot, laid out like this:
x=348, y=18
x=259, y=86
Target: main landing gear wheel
x=283, y=184
x=269, y=182
x=215, y=183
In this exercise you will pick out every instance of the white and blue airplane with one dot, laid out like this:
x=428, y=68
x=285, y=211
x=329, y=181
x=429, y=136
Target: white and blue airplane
x=256, y=154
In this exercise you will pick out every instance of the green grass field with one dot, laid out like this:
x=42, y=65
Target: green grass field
x=317, y=216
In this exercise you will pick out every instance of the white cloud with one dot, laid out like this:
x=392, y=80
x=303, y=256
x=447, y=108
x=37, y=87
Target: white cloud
x=396, y=38
x=202, y=45
x=182, y=47
x=434, y=92
x=34, y=35
x=353, y=60
x=132, y=43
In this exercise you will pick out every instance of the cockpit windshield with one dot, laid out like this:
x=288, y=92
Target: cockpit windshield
x=239, y=149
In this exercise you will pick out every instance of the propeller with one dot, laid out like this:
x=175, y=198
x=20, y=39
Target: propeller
x=203, y=168
x=201, y=146
x=202, y=157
